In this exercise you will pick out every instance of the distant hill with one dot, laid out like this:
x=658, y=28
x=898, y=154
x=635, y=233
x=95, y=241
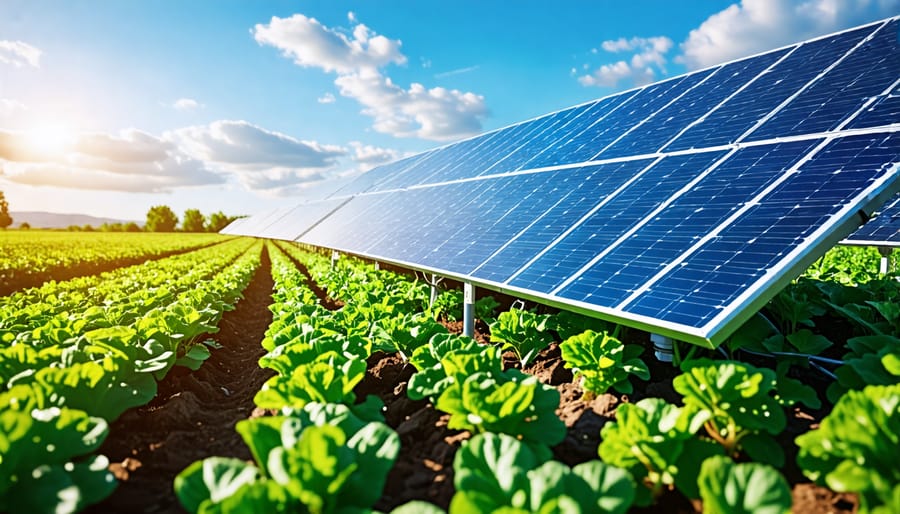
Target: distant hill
x=39, y=219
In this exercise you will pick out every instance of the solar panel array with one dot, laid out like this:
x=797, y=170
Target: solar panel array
x=680, y=207
x=883, y=230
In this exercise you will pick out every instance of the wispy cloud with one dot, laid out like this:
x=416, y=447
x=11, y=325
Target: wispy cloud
x=9, y=106
x=327, y=98
x=358, y=55
x=458, y=71
x=18, y=54
x=186, y=104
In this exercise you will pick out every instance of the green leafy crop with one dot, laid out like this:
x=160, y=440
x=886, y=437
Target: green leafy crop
x=325, y=461
x=602, y=362
x=497, y=473
x=749, y=488
x=856, y=446
x=654, y=441
x=736, y=403
x=523, y=332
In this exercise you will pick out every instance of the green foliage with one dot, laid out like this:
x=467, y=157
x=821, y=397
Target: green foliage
x=448, y=359
x=602, y=362
x=193, y=221
x=568, y=324
x=42, y=468
x=323, y=381
x=448, y=305
x=161, y=218
x=523, y=332
x=749, y=488
x=497, y=473
x=864, y=364
x=321, y=463
x=485, y=307
x=737, y=406
x=856, y=446
x=404, y=333
x=654, y=441
x=218, y=220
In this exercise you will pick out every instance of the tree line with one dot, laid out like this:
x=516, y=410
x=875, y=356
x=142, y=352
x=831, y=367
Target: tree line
x=160, y=218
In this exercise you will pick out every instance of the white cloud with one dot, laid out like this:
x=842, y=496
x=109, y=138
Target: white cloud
x=310, y=43
x=131, y=161
x=327, y=98
x=369, y=156
x=648, y=60
x=18, y=54
x=437, y=114
x=259, y=158
x=752, y=26
x=9, y=106
x=186, y=104
x=357, y=57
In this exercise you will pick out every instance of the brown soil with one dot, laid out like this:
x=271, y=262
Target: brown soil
x=195, y=413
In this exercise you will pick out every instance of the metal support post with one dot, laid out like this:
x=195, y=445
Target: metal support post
x=468, y=309
x=335, y=255
x=885, y=266
x=662, y=347
x=377, y=266
x=434, y=289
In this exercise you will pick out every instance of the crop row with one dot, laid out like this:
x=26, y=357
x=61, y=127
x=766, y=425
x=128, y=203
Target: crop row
x=32, y=257
x=717, y=445
x=90, y=351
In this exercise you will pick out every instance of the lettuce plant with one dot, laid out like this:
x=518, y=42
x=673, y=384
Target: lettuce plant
x=523, y=332
x=856, y=446
x=321, y=381
x=44, y=462
x=863, y=364
x=736, y=403
x=497, y=473
x=404, y=333
x=322, y=462
x=653, y=440
x=449, y=358
x=749, y=488
x=602, y=362
x=510, y=402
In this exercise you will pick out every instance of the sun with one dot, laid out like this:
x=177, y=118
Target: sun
x=49, y=140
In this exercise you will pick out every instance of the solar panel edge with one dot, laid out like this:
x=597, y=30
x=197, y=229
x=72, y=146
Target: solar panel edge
x=824, y=238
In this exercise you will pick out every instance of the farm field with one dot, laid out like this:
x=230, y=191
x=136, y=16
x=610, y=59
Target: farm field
x=352, y=392
x=30, y=258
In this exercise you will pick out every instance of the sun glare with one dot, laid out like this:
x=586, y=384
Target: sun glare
x=47, y=141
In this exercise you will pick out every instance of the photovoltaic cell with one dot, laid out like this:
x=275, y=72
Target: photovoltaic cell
x=680, y=207
x=882, y=230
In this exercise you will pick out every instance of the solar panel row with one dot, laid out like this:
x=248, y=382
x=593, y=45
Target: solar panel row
x=679, y=207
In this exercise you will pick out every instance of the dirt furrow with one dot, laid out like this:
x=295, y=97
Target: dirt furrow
x=194, y=413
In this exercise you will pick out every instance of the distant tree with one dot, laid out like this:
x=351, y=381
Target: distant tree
x=132, y=227
x=5, y=219
x=87, y=228
x=218, y=221
x=74, y=228
x=160, y=218
x=193, y=221
x=24, y=225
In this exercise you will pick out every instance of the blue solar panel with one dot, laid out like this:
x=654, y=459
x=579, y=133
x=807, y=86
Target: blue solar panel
x=611, y=221
x=728, y=122
x=882, y=230
x=866, y=72
x=680, y=207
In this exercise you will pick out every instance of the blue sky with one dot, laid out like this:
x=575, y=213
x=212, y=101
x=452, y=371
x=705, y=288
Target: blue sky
x=108, y=108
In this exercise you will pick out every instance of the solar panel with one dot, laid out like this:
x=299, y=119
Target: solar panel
x=680, y=207
x=882, y=230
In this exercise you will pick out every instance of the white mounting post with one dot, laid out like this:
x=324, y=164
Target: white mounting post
x=662, y=347
x=885, y=266
x=468, y=309
x=335, y=255
x=434, y=291
x=377, y=265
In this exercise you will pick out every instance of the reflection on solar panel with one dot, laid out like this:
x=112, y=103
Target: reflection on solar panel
x=680, y=207
x=882, y=230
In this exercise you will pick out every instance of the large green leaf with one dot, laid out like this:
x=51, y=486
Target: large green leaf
x=749, y=488
x=212, y=480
